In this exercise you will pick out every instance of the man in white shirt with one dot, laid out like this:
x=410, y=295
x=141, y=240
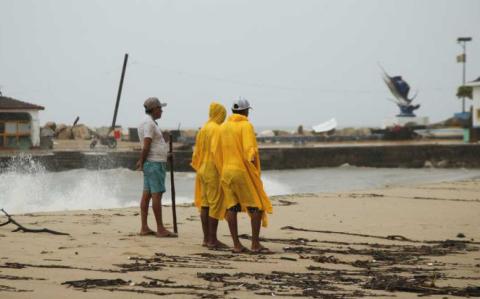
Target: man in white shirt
x=153, y=160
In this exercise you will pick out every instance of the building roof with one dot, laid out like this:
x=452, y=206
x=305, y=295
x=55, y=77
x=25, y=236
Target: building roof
x=7, y=103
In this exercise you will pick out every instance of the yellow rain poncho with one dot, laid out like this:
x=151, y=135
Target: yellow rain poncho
x=208, y=191
x=240, y=164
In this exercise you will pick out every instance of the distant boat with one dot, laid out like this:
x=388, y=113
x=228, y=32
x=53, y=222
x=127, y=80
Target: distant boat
x=266, y=133
x=326, y=126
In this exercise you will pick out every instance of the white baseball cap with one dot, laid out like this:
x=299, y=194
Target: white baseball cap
x=241, y=104
x=153, y=102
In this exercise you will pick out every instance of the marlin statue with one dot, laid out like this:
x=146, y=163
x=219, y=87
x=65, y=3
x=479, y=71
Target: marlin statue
x=400, y=89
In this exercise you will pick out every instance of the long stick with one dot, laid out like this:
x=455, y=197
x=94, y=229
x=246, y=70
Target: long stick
x=28, y=230
x=172, y=184
x=119, y=94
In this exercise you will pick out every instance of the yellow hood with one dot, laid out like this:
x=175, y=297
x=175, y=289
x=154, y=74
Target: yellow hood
x=217, y=113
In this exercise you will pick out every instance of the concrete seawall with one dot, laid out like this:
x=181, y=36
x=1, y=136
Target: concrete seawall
x=406, y=156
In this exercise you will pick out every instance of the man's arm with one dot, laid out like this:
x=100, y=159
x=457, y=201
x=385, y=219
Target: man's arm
x=147, y=142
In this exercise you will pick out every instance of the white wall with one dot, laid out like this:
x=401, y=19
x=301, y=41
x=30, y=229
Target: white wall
x=476, y=106
x=35, y=130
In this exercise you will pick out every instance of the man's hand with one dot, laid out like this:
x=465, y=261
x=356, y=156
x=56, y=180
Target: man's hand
x=139, y=166
x=147, y=142
x=170, y=156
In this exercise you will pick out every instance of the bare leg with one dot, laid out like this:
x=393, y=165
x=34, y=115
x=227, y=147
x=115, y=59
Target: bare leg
x=213, y=242
x=231, y=217
x=144, y=202
x=157, y=211
x=204, y=218
x=212, y=231
x=256, y=221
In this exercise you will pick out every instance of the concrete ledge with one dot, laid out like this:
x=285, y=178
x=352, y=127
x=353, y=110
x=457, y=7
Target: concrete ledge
x=406, y=156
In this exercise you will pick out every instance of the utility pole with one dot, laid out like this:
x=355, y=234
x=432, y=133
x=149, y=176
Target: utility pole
x=463, y=58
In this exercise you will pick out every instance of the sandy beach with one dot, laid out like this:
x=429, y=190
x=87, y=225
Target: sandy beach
x=397, y=241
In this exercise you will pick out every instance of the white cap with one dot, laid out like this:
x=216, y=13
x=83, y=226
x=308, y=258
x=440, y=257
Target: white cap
x=241, y=104
x=153, y=102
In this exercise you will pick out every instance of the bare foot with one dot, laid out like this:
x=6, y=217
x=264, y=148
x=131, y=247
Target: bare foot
x=166, y=234
x=147, y=232
x=241, y=249
x=261, y=250
x=217, y=245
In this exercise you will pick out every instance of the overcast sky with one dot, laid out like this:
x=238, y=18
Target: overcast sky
x=297, y=62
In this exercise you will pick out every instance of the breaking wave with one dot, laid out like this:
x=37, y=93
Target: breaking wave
x=26, y=186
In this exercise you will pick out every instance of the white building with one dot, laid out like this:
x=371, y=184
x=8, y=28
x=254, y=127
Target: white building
x=476, y=102
x=19, y=124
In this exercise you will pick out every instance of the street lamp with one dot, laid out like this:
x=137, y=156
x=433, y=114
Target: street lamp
x=463, y=59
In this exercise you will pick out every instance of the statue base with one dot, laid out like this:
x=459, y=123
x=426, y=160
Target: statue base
x=402, y=121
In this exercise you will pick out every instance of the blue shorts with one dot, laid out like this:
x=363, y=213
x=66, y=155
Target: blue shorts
x=154, y=177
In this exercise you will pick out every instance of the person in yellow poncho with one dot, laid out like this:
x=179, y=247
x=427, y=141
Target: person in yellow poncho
x=238, y=157
x=208, y=194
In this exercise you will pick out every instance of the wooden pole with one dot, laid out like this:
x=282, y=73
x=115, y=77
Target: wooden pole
x=119, y=94
x=172, y=184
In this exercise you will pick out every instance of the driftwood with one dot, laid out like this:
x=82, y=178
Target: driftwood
x=28, y=230
x=390, y=237
x=4, y=288
x=150, y=292
x=400, y=238
x=166, y=283
x=92, y=283
x=13, y=277
x=22, y=266
x=367, y=195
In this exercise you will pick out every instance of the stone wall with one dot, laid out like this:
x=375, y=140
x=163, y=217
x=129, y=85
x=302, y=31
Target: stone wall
x=406, y=156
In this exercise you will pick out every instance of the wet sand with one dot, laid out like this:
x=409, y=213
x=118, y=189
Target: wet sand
x=399, y=241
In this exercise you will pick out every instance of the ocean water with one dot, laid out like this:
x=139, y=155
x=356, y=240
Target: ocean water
x=25, y=186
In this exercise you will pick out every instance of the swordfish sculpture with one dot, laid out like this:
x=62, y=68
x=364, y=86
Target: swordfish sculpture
x=400, y=89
